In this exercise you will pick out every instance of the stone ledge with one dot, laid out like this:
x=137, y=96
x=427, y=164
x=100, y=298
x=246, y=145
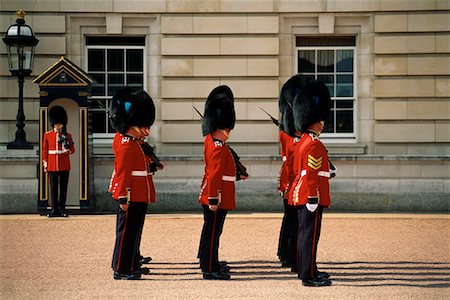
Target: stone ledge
x=277, y=158
x=33, y=158
x=260, y=195
x=186, y=202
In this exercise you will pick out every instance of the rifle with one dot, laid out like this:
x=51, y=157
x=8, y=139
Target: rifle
x=240, y=168
x=199, y=113
x=156, y=162
x=64, y=138
x=275, y=121
x=332, y=168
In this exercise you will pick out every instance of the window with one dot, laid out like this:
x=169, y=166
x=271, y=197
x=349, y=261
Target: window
x=113, y=62
x=332, y=61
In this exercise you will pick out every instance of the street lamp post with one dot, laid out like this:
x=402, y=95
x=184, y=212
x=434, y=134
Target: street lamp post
x=20, y=43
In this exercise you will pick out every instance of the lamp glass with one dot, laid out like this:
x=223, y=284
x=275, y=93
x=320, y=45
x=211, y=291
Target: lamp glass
x=20, y=58
x=13, y=57
x=27, y=57
x=12, y=31
x=25, y=31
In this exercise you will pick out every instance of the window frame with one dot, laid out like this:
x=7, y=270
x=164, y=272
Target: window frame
x=337, y=137
x=99, y=137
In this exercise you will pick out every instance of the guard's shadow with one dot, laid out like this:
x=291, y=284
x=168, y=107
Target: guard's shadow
x=355, y=274
x=398, y=273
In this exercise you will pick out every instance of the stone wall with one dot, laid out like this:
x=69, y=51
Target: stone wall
x=402, y=148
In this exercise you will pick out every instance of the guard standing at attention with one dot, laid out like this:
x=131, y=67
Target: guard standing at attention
x=310, y=192
x=217, y=195
x=289, y=139
x=131, y=115
x=291, y=225
x=57, y=145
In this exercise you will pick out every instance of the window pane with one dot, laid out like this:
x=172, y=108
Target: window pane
x=115, y=60
x=115, y=82
x=135, y=81
x=116, y=40
x=312, y=41
x=344, y=60
x=135, y=60
x=329, y=81
x=98, y=88
x=98, y=104
x=344, y=121
x=306, y=61
x=344, y=86
x=98, y=121
x=325, y=61
x=344, y=104
x=112, y=68
x=329, y=123
x=96, y=60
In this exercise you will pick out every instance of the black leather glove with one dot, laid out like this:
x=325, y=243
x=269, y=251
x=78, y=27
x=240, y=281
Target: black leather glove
x=332, y=170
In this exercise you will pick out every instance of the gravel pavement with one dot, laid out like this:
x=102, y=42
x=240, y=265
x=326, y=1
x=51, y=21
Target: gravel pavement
x=369, y=256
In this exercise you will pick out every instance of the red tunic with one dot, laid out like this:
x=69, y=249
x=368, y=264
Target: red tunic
x=53, y=154
x=220, y=174
x=313, y=174
x=292, y=165
x=285, y=142
x=131, y=177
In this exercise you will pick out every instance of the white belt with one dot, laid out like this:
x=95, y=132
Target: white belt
x=324, y=174
x=56, y=152
x=320, y=173
x=140, y=173
x=228, y=178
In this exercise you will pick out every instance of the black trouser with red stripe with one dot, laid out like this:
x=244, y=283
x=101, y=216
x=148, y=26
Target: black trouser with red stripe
x=291, y=250
x=138, y=257
x=282, y=240
x=201, y=236
x=209, y=241
x=287, y=245
x=129, y=226
x=58, y=187
x=309, y=225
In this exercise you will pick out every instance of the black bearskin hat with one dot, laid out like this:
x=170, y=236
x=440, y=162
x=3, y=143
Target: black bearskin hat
x=57, y=115
x=131, y=108
x=219, y=110
x=287, y=121
x=311, y=105
x=290, y=89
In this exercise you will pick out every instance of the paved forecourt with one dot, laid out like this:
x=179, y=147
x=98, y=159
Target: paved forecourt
x=369, y=256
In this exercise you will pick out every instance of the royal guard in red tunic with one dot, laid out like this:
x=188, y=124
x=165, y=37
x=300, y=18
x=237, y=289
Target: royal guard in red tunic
x=286, y=142
x=289, y=138
x=57, y=145
x=131, y=114
x=222, y=169
x=310, y=192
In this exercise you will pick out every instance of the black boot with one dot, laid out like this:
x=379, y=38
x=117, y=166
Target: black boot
x=317, y=281
x=216, y=276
